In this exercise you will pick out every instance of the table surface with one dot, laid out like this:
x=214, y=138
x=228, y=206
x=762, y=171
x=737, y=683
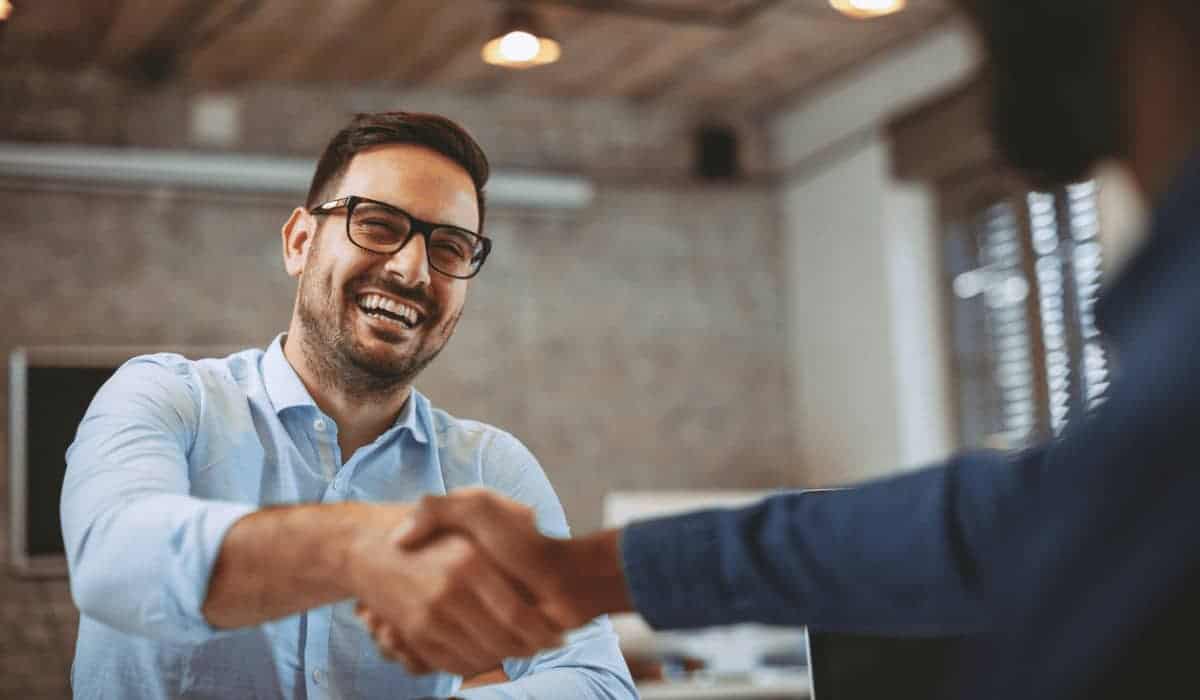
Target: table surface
x=777, y=687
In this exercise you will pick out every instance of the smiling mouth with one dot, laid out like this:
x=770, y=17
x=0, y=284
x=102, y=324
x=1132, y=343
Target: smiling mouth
x=381, y=307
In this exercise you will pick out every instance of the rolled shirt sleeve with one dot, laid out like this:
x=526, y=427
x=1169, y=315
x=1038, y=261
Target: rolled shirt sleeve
x=140, y=549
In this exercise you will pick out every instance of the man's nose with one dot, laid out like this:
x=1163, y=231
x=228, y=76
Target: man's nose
x=410, y=263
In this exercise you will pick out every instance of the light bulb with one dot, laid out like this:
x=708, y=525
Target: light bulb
x=519, y=46
x=873, y=5
x=867, y=8
x=6, y=9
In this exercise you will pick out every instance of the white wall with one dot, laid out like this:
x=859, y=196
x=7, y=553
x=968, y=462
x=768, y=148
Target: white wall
x=840, y=319
x=920, y=330
x=866, y=318
x=867, y=328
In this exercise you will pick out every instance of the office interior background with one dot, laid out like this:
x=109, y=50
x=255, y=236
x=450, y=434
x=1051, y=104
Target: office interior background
x=739, y=244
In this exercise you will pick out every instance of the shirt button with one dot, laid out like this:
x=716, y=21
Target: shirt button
x=319, y=424
x=317, y=676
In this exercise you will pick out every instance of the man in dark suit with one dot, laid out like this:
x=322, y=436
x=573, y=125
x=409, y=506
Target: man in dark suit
x=1070, y=564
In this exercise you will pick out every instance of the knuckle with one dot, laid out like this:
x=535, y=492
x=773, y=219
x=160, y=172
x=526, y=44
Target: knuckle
x=463, y=559
x=439, y=589
x=442, y=599
x=458, y=570
x=486, y=501
x=459, y=549
x=418, y=625
x=447, y=597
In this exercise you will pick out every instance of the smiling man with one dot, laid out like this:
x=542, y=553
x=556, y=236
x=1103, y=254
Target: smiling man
x=223, y=517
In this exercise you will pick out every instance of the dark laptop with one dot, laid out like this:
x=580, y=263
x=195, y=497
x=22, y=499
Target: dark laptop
x=845, y=666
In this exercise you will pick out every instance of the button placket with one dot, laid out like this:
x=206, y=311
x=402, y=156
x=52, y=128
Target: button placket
x=326, y=447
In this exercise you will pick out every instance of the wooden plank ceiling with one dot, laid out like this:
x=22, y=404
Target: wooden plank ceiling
x=732, y=55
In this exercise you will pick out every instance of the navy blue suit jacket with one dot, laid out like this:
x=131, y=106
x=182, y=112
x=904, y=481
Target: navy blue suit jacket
x=1069, y=565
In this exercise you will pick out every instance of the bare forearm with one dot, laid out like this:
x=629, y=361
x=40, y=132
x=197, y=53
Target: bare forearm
x=282, y=560
x=598, y=581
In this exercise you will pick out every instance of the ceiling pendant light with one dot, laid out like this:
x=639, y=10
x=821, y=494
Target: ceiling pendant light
x=866, y=9
x=520, y=43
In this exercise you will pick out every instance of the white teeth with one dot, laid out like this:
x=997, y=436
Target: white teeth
x=378, y=301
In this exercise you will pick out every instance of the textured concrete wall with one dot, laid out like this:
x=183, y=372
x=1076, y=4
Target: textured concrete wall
x=638, y=343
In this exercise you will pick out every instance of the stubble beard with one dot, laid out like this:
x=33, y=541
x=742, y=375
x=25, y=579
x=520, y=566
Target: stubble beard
x=337, y=357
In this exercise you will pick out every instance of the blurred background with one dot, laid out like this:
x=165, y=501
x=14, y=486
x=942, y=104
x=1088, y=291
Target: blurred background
x=740, y=245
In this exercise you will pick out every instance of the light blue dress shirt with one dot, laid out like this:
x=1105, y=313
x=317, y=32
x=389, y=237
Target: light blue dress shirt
x=172, y=451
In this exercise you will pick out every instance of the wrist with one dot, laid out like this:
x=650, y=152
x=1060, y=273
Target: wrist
x=353, y=545
x=595, y=577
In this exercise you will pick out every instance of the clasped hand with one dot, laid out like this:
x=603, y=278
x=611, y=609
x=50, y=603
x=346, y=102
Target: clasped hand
x=465, y=582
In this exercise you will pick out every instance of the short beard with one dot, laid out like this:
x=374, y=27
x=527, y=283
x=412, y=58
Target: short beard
x=339, y=363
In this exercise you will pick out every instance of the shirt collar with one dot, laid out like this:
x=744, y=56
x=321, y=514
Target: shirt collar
x=286, y=391
x=281, y=381
x=1164, y=262
x=416, y=416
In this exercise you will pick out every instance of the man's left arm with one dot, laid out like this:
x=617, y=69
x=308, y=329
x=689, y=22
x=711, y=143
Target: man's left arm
x=590, y=664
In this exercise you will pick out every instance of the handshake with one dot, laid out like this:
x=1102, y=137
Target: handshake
x=467, y=580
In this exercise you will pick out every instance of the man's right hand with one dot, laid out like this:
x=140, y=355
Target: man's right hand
x=444, y=605
x=571, y=581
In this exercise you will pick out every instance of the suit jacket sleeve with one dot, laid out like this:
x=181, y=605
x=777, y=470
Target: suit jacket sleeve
x=902, y=555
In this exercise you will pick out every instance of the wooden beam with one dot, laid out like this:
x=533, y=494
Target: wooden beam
x=323, y=54
x=63, y=36
x=732, y=70
x=250, y=49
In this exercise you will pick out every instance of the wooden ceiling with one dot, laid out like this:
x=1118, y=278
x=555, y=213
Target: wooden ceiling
x=732, y=55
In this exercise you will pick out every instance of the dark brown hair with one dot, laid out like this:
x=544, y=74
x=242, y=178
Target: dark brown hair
x=382, y=128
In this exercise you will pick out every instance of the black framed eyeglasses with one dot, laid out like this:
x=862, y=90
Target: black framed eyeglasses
x=379, y=227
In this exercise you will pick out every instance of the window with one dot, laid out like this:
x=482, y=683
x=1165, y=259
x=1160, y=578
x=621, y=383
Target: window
x=1025, y=272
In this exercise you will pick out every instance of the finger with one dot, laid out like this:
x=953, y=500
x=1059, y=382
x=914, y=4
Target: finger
x=450, y=650
x=421, y=524
x=458, y=632
x=466, y=510
x=389, y=643
x=392, y=647
x=505, y=529
x=365, y=616
x=466, y=633
x=500, y=618
x=520, y=627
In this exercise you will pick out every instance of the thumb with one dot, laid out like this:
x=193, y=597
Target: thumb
x=417, y=528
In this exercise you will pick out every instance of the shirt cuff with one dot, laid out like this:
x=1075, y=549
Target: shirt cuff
x=196, y=560
x=673, y=569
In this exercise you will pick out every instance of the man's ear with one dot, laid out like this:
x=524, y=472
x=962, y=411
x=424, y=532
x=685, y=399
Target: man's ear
x=299, y=232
